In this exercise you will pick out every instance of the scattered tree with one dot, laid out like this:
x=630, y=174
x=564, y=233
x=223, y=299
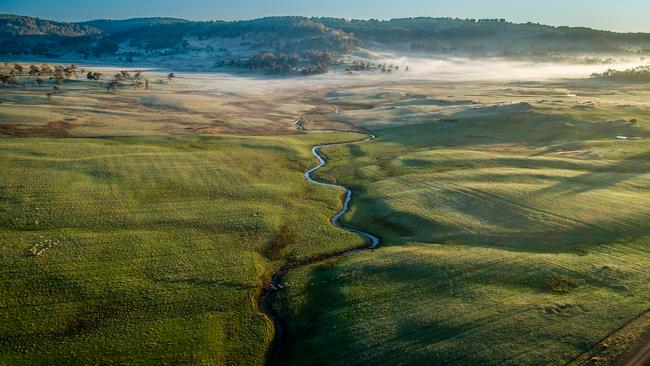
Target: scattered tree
x=139, y=80
x=94, y=76
x=46, y=69
x=19, y=69
x=59, y=75
x=9, y=79
x=34, y=71
x=70, y=71
x=55, y=90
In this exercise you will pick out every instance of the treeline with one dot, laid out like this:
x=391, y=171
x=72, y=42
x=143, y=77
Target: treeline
x=38, y=75
x=488, y=36
x=357, y=65
x=639, y=74
x=413, y=29
x=15, y=25
x=282, y=34
x=27, y=35
x=308, y=63
x=168, y=36
x=57, y=75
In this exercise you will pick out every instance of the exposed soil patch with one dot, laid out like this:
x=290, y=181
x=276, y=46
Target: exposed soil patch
x=52, y=129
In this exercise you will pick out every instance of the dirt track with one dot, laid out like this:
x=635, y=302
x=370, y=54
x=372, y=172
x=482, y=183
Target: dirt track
x=640, y=357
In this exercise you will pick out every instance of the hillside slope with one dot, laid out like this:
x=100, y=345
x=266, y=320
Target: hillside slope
x=221, y=41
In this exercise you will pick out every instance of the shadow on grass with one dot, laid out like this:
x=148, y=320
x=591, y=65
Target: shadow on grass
x=426, y=328
x=558, y=234
x=618, y=172
x=302, y=339
x=519, y=124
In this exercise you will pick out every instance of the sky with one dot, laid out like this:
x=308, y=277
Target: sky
x=617, y=15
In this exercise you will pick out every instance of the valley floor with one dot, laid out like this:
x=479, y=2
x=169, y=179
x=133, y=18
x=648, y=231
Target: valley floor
x=140, y=226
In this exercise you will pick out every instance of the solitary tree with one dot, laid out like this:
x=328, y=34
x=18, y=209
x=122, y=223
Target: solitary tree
x=55, y=90
x=94, y=75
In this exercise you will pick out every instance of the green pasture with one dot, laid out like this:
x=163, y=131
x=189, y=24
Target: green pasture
x=513, y=234
x=152, y=249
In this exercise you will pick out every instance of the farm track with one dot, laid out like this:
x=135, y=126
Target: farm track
x=637, y=357
x=266, y=296
x=640, y=357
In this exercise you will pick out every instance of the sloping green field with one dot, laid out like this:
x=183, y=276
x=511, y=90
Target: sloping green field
x=512, y=234
x=514, y=218
x=152, y=250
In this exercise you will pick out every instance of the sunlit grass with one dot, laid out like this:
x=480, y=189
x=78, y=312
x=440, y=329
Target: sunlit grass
x=157, y=247
x=510, y=235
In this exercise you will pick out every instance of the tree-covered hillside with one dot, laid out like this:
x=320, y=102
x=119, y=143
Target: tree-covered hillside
x=490, y=36
x=15, y=25
x=294, y=41
x=112, y=26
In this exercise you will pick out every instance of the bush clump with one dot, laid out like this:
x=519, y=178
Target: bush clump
x=560, y=285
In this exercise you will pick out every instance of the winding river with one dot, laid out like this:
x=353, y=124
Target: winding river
x=275, y=351
x=374, y=241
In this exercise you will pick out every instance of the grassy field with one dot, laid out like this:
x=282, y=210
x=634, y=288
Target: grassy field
x=515, y=228
x=151, y=249
x=138, y=226
x=205, y=104
x=146, y=249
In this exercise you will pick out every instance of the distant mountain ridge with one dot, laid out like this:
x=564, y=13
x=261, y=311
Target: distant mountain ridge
x=229, y=41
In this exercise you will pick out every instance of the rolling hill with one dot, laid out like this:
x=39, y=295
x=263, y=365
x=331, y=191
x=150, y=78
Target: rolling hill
x=146, y=39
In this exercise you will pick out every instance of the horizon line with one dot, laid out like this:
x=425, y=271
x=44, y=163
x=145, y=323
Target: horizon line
x=325, y=17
